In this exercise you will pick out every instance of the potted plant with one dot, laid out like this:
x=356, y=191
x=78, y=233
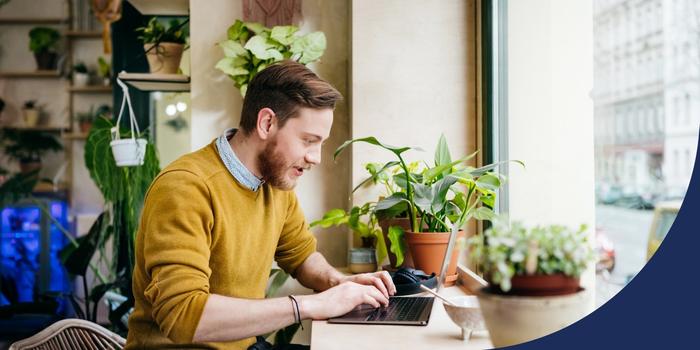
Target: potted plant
x=163, y=45
x=534, y=274
x=27, y=147
x=445, y=194
x=364, y=224
x=104, y=70
x=43, y=42
x=81, y=77
x=250, y=47
x=31, y=113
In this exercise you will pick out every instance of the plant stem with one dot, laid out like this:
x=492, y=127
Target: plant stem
x=409, y=194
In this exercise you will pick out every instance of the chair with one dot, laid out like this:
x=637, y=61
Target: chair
x=71, y=334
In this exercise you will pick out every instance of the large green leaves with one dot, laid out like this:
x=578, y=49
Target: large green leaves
x=310, y=47
x=251, y=47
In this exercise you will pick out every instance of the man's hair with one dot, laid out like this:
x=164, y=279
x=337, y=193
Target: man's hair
x=284, y=87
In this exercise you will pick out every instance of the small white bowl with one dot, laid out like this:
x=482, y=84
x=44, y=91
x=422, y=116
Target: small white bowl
x=466, y=315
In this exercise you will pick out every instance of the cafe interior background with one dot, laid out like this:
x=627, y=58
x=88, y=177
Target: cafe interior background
x=598, y=99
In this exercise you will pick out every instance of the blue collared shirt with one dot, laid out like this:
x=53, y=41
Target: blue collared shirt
x=234, y=165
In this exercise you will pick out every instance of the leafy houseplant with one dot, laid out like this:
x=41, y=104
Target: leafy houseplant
x=163, y=45
x=512, y=254
x=363, y=223
x=123, y=189
x=251, y=47
x=534, y=274
x=43, y=42
x=444, y=194
x=81, y=77
x=28, y=146
x=31, y=113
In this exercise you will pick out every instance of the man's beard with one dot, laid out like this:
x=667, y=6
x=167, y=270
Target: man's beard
x=273, y=167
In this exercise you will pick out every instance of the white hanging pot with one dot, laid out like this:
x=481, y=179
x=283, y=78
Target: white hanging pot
x=131, y=151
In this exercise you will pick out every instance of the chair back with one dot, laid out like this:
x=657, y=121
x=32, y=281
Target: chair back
x=72, y=334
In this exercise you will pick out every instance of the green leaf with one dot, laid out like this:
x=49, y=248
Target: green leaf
x=442, y=152
x=76, y=259
x=375, y=173
x=232, y=48
x=483, y=213
x=444, y=169
x=333, y=217
x=277, y=281
x=284, y=34
x=235, y=31
x=259, y=46
x=484, y=169
x=256, y=28
x=227, y=65
x=396, y=237
x=489, y=181
x=373, y=141
x=311, y=47
x=391, y=201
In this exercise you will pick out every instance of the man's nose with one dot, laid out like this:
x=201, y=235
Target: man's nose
x=314, y=156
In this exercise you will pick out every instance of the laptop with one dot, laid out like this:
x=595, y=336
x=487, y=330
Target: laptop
x=409, y=311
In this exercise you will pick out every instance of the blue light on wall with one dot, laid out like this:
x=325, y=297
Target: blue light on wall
x=30, y=244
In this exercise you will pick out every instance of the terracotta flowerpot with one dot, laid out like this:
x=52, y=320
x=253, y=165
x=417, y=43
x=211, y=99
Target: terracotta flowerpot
x=428, y=250
x=405, y=224
x=164, y=59
x=544, y=285
x=85, y=127
x=45, y=60
x=29, y=166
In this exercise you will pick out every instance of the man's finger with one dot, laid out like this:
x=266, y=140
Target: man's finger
x=377, y=282
x=386, y=278
x=374, y=293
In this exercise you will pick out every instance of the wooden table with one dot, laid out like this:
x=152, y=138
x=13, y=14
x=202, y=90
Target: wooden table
x=440, y=333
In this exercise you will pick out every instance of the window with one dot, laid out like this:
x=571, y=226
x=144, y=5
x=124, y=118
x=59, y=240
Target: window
x=648, y=159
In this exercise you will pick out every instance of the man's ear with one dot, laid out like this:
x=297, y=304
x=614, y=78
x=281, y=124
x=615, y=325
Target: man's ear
x=267, y=123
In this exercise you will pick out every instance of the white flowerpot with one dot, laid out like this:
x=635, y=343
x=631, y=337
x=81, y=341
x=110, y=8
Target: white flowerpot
x=515, y=319
x=81, y=79
x=129, y=152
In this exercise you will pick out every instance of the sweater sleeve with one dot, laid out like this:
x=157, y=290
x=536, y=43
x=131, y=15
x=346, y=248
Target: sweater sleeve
x=177, y=225
x=296, y=242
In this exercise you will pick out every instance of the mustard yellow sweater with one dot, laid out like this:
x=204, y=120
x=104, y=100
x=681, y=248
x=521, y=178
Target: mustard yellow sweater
x=203, y=233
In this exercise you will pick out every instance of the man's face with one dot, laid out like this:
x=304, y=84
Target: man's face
x=295, y=147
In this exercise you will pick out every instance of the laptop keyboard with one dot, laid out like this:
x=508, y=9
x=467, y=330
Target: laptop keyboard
x=400, y=309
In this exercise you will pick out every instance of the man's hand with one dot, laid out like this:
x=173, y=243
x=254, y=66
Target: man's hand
x=340, y=300
x=381, y=280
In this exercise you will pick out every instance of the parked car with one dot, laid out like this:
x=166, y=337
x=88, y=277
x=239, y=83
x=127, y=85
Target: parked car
x=664, y=215
x=608, y=194
x=606, y=251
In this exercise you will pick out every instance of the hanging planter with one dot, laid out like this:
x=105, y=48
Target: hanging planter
x=131, y=151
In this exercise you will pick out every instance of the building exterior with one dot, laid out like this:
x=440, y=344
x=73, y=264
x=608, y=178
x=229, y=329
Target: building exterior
x=645, y=95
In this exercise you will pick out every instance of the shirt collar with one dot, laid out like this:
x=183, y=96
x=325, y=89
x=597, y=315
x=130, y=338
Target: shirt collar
x=234, y=165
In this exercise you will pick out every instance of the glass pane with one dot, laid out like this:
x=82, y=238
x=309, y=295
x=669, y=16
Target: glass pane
x=646, y=95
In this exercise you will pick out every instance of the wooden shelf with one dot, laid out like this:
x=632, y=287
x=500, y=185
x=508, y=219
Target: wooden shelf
x=31, y=74
x=162, y=7
x=35, y=128
x=32, y=20
x=157, y=82
x=91, y=89
x=75, y=136
x=84, y=35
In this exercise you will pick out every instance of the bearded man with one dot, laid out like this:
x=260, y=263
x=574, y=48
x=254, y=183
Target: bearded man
x=215, y=219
